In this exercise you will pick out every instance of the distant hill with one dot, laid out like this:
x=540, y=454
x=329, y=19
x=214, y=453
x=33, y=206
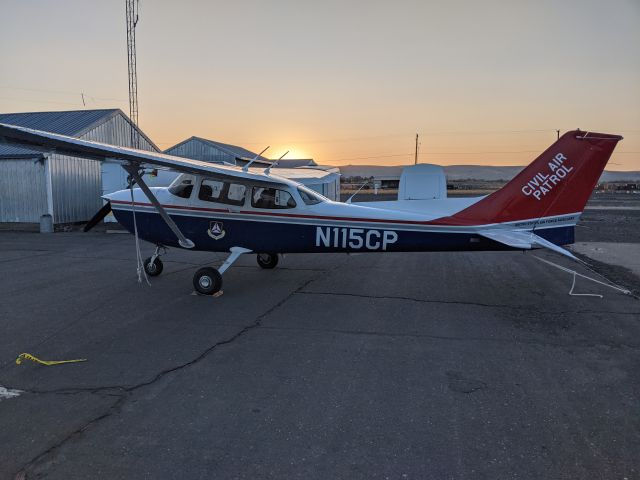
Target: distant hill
x=471, y=172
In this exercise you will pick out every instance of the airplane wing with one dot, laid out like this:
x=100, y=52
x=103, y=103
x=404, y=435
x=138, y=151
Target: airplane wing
x=126, y=156
x=132, y=161
x=524, y=241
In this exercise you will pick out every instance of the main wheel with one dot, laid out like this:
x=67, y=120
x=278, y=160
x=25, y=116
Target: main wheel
x=268, y=260
x=207, y=281
x=154, y=268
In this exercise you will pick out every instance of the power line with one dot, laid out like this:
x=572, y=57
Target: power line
x=41, y=101
x=397, y=135
x=61, y=92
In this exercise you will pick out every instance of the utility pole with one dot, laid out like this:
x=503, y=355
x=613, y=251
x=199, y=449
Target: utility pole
x=416, y=157
x=132, y=21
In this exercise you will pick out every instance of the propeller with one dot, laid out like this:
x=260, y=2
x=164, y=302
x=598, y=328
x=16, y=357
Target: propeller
x=97, y=218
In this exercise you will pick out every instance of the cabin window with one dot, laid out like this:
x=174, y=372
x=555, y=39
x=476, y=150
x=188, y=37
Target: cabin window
x=222, y=192
x=182, y=188
x=309, y=197
x=271, y=198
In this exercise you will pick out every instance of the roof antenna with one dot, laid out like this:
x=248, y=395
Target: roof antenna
x=246, y=167
x=267, y=170
x=357, y=191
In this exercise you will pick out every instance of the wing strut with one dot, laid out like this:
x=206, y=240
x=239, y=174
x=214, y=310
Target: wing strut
x=182, y=240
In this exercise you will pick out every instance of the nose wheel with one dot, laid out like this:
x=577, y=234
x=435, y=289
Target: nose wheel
x=153, y=265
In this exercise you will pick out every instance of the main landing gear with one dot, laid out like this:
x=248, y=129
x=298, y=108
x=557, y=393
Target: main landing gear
x=208, y=280
x=268, y=260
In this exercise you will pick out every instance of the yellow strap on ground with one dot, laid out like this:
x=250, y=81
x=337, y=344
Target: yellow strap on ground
x=47, y=363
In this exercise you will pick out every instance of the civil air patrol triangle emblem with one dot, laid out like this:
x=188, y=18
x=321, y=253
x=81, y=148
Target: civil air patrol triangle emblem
x=216, y=230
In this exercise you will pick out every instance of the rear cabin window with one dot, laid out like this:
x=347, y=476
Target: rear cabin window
x=222, y=192
x=183, y=188
x=271, y=198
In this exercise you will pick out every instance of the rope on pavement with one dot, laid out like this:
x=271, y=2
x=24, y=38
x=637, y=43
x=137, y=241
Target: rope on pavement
x=46, y=363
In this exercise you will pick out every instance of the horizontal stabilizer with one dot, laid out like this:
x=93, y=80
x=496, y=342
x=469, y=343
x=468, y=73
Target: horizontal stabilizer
x=524, y=241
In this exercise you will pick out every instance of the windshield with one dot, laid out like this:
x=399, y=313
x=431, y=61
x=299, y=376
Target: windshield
x=182, y=186
x=310, y=197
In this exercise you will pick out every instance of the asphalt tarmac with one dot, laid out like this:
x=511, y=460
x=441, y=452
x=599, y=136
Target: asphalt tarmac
x=407, y=366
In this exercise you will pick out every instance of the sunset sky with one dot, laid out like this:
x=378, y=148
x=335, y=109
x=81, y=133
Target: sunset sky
x=343, y=82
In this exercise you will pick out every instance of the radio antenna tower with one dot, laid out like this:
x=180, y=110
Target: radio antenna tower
x=132, y=21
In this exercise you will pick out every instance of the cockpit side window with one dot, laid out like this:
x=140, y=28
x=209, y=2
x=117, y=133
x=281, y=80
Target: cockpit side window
x=222, y=192
x=182, y=187
x=271, y=198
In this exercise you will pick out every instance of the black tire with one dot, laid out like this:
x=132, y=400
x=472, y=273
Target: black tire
x=207, y=281
x=153, y=269
x=267, y=260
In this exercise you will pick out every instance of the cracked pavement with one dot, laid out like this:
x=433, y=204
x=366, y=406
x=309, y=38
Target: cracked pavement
x=426, y=365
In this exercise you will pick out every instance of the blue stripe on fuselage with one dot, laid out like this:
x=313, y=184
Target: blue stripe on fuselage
x=283, y=237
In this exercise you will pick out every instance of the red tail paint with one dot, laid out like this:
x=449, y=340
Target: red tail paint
x=558, y=182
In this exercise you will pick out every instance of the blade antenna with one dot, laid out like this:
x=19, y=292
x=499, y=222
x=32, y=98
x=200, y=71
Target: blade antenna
x=357, y=191
x=267, y=171
x=246, y=167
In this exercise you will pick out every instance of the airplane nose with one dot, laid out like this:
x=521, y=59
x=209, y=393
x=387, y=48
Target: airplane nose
x=121, y=195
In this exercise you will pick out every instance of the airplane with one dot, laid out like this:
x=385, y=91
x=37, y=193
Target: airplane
x=238, y=210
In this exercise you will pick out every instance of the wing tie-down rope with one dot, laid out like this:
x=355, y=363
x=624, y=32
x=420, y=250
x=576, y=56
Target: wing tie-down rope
x=139, y=261
x=576, y=274
x=46, y=363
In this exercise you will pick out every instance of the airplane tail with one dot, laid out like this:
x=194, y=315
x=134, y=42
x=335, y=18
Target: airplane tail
x=558, y=182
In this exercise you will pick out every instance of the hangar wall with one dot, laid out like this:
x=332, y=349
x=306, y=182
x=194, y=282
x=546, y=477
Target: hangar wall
x=76, y=184
x=23, y=190
x=76, y=188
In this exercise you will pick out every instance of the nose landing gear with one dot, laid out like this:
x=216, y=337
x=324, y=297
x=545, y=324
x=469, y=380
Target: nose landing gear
x=153, y=265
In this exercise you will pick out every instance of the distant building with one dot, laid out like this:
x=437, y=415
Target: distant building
x=33, y=183
x=618, y=187
x=215, y=152
x=386, y=182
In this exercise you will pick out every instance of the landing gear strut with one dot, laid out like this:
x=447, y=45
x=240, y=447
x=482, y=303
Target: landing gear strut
x=268, y=260
x=208, y=280
x=153, y=265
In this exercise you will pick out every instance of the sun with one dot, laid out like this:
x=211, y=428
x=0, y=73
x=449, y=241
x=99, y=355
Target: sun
x=295, y=153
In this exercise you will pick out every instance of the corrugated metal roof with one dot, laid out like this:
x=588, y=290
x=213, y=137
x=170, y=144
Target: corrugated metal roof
x=11, y=151
x=233, y=150
x=73, y=123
